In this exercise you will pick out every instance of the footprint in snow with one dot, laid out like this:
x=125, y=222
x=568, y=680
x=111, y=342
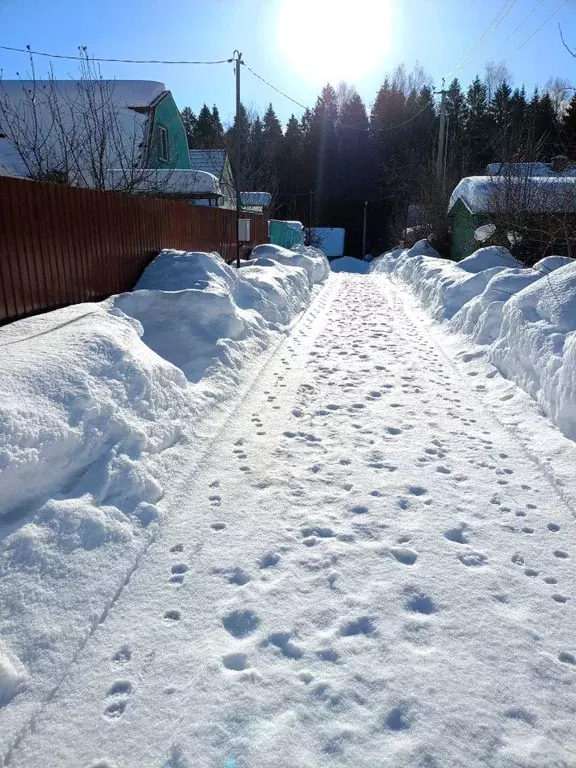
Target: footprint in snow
x=457, y=535
x=404, y=555
x=120, y=690
x=418, y=602
x=178, y=572
x=473, y=559
x=241, y=623
x=235, y=661
x=554, y=527
x=122, y=656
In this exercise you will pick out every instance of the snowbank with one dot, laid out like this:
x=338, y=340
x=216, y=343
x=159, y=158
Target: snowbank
x=97, y=401
x=349, y=264
x=550, y=263
x=481, y=317
x=486, y=258
x=526, y=318
x=536, y=346
x=310, y=259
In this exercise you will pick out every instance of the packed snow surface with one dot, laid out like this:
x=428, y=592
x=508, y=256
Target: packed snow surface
x=363, y=567
x=525, y=318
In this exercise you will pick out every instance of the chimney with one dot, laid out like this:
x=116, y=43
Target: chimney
x=559, y=163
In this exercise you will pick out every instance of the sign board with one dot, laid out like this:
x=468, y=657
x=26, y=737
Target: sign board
x=244, y=230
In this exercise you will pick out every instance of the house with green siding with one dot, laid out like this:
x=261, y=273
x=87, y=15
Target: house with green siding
x=84, y=128
x=528, y=214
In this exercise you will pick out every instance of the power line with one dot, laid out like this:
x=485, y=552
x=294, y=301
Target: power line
x=488, y=32
x=303, y=106
x=86, y=57
x=336, y=122
x=524, y=20
x=546, y=20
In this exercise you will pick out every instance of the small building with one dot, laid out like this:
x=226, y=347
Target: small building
x=217, y=162
x=75, y=130
x=255, y=202
x=524, y=211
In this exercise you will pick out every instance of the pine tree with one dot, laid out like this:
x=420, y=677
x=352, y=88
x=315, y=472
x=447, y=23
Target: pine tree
x=569, y=126
x=190, y=121
x=208, y=131
x=354, y=170
x=290, y=175
x=477, y=126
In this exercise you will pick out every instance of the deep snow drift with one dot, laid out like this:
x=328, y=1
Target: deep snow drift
x=525, y=318
x=97, y=401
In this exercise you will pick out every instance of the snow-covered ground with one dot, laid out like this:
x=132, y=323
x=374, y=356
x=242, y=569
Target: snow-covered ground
x=522, y=320
x=361, y=552
x=102, y=406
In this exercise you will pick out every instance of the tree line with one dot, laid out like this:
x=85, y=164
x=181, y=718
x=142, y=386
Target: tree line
x=346, y=153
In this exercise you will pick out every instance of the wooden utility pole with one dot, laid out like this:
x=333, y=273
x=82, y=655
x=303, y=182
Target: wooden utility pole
x=308, y=236
x=364, y=229
x=441, y=140
x=238, y=154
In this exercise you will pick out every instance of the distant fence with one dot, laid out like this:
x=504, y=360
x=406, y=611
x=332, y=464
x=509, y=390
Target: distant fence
x=63, y=245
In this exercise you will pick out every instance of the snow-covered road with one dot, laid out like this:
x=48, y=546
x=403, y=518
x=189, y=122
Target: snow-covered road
x=368, y=570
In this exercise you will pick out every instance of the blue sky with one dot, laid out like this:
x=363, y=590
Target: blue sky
x=290, y=42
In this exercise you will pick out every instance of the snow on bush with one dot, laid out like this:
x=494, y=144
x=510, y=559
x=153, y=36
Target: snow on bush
x=91, y=399
x=525, y=317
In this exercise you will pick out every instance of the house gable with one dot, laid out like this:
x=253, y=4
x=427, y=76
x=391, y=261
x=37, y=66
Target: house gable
x=167, y=142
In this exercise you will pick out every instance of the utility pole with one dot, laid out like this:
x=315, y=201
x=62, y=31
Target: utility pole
x=441, y=134
x=308, y=237
x=238, y=158
x=364, y=229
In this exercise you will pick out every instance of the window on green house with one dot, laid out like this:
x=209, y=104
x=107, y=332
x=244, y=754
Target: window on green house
x=164, y=148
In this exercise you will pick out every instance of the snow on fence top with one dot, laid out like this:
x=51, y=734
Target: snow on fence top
x=537, y=194
x=167, y=181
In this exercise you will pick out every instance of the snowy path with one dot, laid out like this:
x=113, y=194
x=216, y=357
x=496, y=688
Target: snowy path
x=367, y=571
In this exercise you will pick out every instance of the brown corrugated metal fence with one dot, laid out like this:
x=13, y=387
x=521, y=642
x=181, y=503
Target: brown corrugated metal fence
x=62, y=245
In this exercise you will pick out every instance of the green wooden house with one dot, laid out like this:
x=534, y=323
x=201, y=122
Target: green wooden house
x=528, y=214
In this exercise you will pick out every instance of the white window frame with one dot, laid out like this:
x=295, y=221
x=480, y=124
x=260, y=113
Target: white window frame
x=164, y=146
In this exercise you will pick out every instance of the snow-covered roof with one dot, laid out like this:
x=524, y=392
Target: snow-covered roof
x=489, y=194
x=168, y=182
x=59, y=109
x=528, y=169
x=128, y=93
x=256, y=199
x=209, y=160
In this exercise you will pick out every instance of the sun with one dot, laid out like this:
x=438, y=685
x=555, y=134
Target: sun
x=333, y=40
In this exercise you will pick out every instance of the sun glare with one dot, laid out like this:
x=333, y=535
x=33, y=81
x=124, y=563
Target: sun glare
x=333, y=40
